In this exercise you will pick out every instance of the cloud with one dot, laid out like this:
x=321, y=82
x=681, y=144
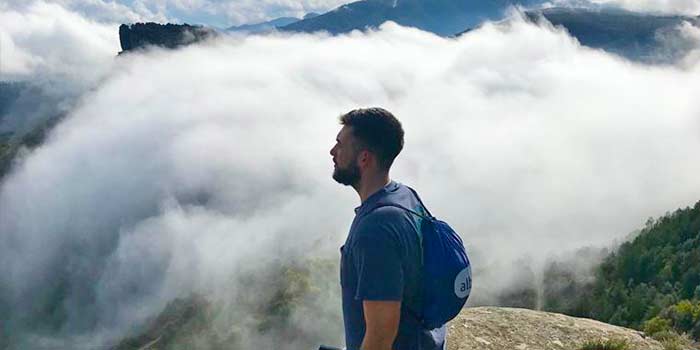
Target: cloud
x=41, y=39
x=690, y=36
x=57, y=53
x=185, y=168
x=116, y=11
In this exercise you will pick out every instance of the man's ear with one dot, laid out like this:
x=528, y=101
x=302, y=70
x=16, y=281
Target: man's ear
x=364, y=158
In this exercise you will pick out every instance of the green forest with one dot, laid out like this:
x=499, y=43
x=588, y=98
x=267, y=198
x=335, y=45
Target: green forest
x=650, y=283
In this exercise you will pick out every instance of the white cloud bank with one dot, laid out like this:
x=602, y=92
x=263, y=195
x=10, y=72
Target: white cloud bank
x=42, y=39
x=187, y=167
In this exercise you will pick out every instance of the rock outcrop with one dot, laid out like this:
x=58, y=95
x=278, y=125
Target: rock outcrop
x=141, y=35
x=498, y=328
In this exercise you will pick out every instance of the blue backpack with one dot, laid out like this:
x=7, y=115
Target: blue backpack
x=447, y=276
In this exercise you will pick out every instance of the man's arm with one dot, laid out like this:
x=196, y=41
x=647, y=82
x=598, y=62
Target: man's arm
x=377, y=258
x=382, y=324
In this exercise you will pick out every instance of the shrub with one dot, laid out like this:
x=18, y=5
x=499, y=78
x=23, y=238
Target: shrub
x=657, y=325
x=672, y=340
x=610, y=344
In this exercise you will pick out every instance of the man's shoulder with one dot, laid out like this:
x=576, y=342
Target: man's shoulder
x=386, y=212
x=384, y=215
x=385, y=220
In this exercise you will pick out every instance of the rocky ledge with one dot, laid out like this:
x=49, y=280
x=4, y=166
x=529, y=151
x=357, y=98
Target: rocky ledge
x=498, y=328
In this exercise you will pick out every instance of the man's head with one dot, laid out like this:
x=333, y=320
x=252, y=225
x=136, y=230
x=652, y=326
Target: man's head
x=369, y=141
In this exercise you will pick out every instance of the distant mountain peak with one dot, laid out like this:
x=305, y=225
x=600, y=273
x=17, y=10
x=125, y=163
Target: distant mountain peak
x=263, y=26
x=442, y=17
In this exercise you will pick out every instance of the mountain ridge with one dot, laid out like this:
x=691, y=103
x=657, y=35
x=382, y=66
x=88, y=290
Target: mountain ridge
x=266, y=26
x=642, y=37
x=263, y=26
x=442, y=17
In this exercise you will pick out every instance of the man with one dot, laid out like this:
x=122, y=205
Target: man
x=381, y=260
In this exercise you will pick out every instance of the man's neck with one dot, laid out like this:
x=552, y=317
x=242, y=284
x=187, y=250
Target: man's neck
x=371, y=184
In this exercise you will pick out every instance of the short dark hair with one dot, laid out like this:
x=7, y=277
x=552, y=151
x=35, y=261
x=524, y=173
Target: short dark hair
x=378, y=131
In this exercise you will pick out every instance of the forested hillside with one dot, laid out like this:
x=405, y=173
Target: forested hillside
x=651, y=282
x=10, y=147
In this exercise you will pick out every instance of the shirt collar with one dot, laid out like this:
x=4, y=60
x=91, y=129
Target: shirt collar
x=390, y=187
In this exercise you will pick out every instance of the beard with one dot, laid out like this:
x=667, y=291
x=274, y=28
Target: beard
x=347, y=176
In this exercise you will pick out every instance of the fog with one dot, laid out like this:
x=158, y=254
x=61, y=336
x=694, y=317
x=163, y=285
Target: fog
x=58, y=54
x=183, y=169
x=42, y=38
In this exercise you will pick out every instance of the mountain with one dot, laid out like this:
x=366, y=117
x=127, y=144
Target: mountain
x=10, y=92
x=28, y=111
x=141, y=35
x=655, y=275
x=642, y=37
x=443, y=17
x=263, y=26
x=267, y=26
x=651, y=282
x=11, y=145
x=638, y=36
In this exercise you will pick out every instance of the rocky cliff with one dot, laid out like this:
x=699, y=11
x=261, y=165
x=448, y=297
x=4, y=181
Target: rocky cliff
x=141, y=35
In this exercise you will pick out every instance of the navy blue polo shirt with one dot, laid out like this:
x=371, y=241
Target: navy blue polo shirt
x=381, y=260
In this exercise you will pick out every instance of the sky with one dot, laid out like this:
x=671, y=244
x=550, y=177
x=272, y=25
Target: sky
x=179, y=170
x=226, y=13
x=217, y=13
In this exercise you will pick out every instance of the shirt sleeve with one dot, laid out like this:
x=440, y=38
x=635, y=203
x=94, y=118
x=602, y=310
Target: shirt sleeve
x=377, y=260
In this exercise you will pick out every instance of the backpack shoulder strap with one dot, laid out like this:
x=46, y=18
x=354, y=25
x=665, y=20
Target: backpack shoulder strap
x=420, y=201
x=380, y=205
x=415, y=194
